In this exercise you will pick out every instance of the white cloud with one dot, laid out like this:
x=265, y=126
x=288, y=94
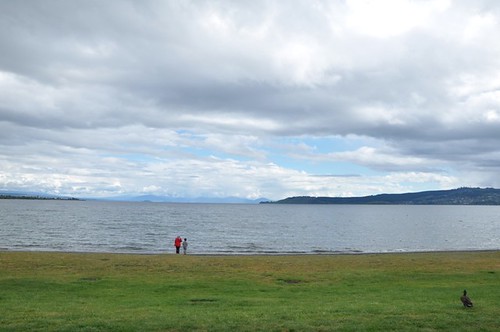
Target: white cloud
x=389, y=18
x=479, y=25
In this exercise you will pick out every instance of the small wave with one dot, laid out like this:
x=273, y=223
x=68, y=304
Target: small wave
x=344, y=251
x=253, y=252
x=130, y=248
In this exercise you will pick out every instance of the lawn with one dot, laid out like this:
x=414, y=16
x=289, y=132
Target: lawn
x=117, y=292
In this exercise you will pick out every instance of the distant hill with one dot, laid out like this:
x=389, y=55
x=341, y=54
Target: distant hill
x=460, y=196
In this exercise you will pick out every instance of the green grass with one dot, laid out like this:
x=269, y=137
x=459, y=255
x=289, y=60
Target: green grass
x=112, y=292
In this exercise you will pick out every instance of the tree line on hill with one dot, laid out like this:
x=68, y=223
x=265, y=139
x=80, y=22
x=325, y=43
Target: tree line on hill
x=460, y=196
x=33, y=197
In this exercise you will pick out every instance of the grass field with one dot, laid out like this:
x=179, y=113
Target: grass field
x=116, y=292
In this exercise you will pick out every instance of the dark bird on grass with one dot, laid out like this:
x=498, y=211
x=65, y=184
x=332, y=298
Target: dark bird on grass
x=465, y=300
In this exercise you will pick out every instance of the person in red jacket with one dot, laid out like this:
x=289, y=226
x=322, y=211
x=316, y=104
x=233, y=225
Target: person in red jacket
x=177, y=243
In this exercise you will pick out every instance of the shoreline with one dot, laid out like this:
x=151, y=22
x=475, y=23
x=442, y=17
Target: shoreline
x=339, y=253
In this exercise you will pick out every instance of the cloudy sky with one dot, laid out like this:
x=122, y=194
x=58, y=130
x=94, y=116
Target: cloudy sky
x=248, y=98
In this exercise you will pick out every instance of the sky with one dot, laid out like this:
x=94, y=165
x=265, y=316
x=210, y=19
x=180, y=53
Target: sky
x=248, y=99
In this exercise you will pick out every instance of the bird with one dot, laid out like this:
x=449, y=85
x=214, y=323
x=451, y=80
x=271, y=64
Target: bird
x=466, y=300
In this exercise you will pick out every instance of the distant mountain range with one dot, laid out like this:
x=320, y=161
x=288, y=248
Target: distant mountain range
x=131, y=198
x=460, y=196
x=169, y=199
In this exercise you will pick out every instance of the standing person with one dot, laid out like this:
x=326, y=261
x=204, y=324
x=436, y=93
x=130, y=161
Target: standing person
x=177, y=243
x=185, y=245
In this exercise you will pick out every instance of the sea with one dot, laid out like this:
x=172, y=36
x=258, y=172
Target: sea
x=244, y=229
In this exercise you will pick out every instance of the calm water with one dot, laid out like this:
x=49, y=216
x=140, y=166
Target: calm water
x=88, y=226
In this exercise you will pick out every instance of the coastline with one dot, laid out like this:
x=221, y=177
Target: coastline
x=284, y=254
